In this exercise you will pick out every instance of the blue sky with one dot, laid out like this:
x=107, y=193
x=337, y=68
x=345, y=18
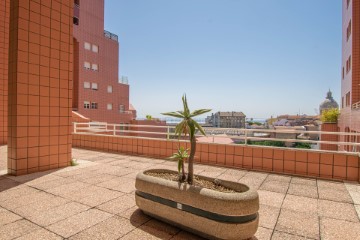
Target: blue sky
x=261, y=57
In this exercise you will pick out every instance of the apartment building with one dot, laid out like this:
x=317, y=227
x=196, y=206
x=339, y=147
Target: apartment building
x=349, y=120
x=98, y=93
x=226, y=120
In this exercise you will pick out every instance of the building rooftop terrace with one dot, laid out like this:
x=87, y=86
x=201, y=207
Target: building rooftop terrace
x=95, y=200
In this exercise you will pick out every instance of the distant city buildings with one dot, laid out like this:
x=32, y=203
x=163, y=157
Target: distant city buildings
x=226, y=120
x=294, y=120
x=328, y=103
x=98, y=92
x=349, y=120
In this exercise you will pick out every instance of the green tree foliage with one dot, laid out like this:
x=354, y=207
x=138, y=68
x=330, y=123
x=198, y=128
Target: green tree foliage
x=330, y=115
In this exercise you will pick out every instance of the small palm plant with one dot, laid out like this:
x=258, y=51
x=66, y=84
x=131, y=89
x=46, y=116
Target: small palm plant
x=181, y=155
x=188, y=126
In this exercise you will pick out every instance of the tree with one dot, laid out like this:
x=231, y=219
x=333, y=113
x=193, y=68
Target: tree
x=188, y=126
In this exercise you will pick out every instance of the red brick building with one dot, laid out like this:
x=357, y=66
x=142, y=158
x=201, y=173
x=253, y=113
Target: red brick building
x=98, y=94
x=350, y=83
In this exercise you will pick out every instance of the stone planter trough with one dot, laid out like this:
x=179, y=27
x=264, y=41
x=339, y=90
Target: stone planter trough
x=208, y=213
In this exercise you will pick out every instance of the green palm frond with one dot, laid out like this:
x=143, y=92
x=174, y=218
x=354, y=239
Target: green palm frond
x=197, y=126
x=199, y=112
x=174, y=114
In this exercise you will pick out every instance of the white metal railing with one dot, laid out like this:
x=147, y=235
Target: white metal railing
x=243, y=136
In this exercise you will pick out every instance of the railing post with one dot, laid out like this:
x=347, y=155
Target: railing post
x=245, y=136
x=75, y=127
x=168, y=133
x=114, y=130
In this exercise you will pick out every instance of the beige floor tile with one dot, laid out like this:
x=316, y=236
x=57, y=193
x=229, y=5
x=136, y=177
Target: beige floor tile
x=301, y=204
x=57, y=214
x=338, y=210
x=77, y=223
x=286, y=236
x=335, y=195
x=304, y=181
x=7, y=217
x=332, y=229
x=355, y=197
x=303, y=190
x=25, y=200
x=47, y=203
x=40, y=234
x=262, y=234
x=17, y=229
x=297, y=223
x=16, y=192
x=186, y=236
x=331, y=185
x=118, y=205
x=135, y=215
x=275, y=186
x=6, y=183
x=268, y=216
x=271, y=198
x=278, y=178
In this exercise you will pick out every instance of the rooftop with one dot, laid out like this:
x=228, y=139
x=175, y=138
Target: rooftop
x=95, y=200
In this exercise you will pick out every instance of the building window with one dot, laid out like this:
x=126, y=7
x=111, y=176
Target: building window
x=342, y=102
x=94, y=67
x=87, y=65
x=75, y=20
x=87, y=45
x=94, y=86
x=87, y=104
x=348, y=64
x=86, y=85
x=77, y=2
x=109, y=89
x=343, y=73
x=95, y=48
x=347, y=3
x=121, y=108
x=347, y=99
x=94, y=105
x=109, y=106
x=348, y=31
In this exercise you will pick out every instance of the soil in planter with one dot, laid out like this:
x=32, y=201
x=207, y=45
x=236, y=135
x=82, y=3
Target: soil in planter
x=197, y=182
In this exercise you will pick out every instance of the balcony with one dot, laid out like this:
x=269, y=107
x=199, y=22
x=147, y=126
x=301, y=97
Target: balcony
x=86, y=202
x=110, y=35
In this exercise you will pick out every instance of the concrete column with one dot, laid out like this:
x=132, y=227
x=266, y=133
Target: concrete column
x=40, y=85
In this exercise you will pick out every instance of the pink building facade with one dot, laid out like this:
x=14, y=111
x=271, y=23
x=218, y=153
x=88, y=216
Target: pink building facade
x=97, y=93
x=349, y=120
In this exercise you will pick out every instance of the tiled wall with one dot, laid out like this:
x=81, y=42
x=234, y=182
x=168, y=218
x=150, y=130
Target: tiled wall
x=329, y=127
x=4, y=46
x=310, y=163
x=40, y=85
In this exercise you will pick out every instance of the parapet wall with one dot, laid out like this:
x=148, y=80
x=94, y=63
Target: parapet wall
x=310, y=163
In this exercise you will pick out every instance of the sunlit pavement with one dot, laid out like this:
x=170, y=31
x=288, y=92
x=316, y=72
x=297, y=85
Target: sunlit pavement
x=95, y=200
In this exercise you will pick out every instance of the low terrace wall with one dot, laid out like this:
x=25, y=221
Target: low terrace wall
x=310, y=163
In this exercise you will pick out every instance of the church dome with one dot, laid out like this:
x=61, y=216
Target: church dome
x=328, y=103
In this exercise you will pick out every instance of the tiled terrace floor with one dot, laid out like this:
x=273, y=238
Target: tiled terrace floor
x=95, y=200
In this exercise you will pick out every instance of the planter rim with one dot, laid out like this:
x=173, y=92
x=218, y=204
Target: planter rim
x=206, y=192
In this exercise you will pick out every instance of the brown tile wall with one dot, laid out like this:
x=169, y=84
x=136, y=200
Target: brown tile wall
x=40, y=85
x=329, y=127
x=311, y=163
x=4, y=47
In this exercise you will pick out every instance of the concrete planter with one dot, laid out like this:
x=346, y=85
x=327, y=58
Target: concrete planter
x=208, y=213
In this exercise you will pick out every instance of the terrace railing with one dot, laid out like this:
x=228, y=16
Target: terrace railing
x=110, y=35
x=217, y=135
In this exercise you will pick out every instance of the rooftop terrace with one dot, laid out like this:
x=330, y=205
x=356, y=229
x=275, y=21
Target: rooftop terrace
x=95, y=200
